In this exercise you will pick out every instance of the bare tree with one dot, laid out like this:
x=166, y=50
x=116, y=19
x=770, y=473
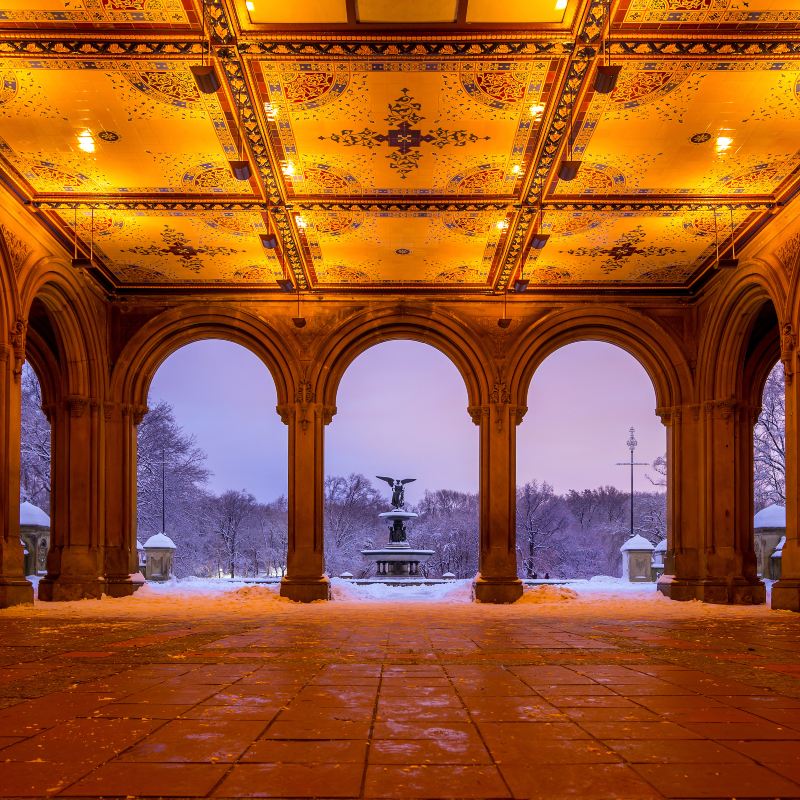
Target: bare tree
x=540, y=517
x=228, y=515
x=36, y=439
x=448, y=525
x=769, y=443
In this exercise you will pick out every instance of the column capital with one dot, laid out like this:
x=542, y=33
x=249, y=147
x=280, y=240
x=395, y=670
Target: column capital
x=303, y=413
x=18, y=332
x=788, y=351
x=670, y=415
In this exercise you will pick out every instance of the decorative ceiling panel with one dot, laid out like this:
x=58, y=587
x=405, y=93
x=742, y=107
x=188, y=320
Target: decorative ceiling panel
x=402, y=247
x=634, y=247
x=691, y=129
x=710, y=12
x=131, y=127
x=304, y=12
x=388, y=128
x=143, y=247
x=96, y=13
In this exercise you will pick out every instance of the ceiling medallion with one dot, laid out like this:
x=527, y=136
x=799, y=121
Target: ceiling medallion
x=403, y=251
x=700, y=138
x=108, y=136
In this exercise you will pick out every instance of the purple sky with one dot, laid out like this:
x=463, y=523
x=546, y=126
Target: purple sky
x=582, y=401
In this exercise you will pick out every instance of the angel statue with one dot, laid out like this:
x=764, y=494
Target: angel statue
x=398, y=489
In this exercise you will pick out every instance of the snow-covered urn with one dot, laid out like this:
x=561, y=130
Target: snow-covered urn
x=158, y=553
x=348, y=576
x=449, y=576
x=637, y=558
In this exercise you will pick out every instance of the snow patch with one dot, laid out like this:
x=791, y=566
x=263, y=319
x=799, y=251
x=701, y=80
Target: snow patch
x=459, y=591
x=547, y=593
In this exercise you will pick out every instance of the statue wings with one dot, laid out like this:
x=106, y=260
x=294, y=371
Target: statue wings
x=391, y=481
x=408, y=480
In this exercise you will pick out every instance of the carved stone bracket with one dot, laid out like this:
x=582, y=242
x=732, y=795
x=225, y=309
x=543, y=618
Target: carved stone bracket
x=724, y=408
x=670, y=415
x=135, y=411
x=477, y=413
x=18, y=345
x=76, y=405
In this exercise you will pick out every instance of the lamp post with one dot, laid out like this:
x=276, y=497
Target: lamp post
x=632, y=443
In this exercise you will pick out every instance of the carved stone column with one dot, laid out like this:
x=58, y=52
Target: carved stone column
x=305, y=578
x=497, y=580
x=120, y=558
x=710, y=553
x=75, y=566
x=14, y=588
x=786, y=592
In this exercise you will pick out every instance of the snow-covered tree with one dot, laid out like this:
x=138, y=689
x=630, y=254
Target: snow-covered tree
x=35, y=453
x=769, y=440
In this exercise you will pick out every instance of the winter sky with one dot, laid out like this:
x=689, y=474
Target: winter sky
x=402, y=412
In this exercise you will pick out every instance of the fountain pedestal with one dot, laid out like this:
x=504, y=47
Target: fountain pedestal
x=398, y=559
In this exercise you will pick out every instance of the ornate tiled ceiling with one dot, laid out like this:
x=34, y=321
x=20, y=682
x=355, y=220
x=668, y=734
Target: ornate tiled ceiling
x=398, y=146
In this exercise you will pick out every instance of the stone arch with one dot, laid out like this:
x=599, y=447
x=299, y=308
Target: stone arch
x=742, y=338
x=173, y=329
x=657, y=351
x=370, y=328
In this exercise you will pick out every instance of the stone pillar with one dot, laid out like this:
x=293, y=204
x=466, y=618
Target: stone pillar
x=786, y=592
x=710, y=554
x=305, y=578
x=75, y=566
x=120, y=556
x=497, y=580
x=14, y=588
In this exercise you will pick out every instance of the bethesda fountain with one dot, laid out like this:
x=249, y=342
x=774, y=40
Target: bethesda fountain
x=398, y=559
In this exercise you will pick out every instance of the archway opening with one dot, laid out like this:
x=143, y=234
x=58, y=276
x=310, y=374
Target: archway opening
x=35, y=476
x=574, y=453
x=763, y=386
x=212, y=468
x=402, y=413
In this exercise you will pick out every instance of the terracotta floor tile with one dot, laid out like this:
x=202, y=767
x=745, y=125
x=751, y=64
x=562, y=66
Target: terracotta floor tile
x=5, y=741
x=790, y=771
x=311, y=712
x=389, y=711
x=141, y=711
x=32, y=779
x=196, y=741
x=595, y=781
x=675, y=751
x=428, y=751
x=639, y=730
x=769, y=752
x=269, y=751
x=589, y=701
x=81, y=741
x=151, y=780
x=246, y=712
x=292, y=780
x=743, y=730
x=167, y=695
x=434, y=781
x=625, y=714
x=723, y=780
x=330, y=729
x=513, y=709
x=724, y=714
x=555, y=751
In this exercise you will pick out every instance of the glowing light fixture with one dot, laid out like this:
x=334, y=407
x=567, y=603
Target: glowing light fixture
x=301, y=221
x=271, y=111
x=537, y=109
x=251, y=6
x=287, y=168
x=561, y=5
x=516, y=169
x=723, y=143
x=86, y=141
x=501, y=224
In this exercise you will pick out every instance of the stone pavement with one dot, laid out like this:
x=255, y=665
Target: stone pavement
x=346, y=700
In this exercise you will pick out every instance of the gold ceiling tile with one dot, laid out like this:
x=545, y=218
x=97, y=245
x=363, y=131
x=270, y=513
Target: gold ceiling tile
x=133, y=127
x=408, y=11
x=305, y=12
x=524, y=12
x=97, y=12
x=683, y=129
x=713, y=12
x=179, y=247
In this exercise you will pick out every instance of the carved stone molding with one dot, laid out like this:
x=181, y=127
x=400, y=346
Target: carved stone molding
x=478, y=413
x=108, y=410
x=76, y=405
x=285, y=412
x=304, y=394
x=135, y=411
x=328, y=413
x=500, y=393
x=670, y=415
x=788, y=351
x=724, y=408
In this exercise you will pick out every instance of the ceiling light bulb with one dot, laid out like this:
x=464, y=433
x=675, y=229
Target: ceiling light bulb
x=86, y=142
x=287, y=168
x=251, y=6
x=502, y=224
x=301, y=221
x=537, y=109
x=271, y=111
x=516, y=169
x=723, y=143
x=561, y=5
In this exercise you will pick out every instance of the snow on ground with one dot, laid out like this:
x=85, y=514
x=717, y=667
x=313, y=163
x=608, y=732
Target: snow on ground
x=199, y=597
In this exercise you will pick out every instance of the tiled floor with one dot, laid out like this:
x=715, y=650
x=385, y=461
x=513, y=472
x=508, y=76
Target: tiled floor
x=403, y=701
